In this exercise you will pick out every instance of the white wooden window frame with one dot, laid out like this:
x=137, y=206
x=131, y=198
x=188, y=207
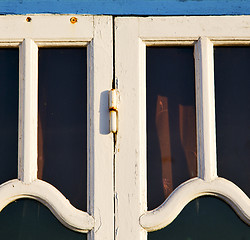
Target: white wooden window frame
x=95, y=33
x=122, y=174
x=132, y=36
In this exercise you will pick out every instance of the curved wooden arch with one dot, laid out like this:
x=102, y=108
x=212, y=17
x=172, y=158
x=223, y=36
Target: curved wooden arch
x=186, y=192
x=49, y=196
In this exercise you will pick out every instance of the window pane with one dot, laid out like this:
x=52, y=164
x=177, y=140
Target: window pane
x=9, y=113
x=205, y=218
x=232, y=94
x=171, y=125
x=26, y=219
x=62, y=130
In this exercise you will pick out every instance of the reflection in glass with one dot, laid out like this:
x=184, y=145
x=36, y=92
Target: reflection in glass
x=232, y=95
x=204, y=218
x=26, y=219
x=171, y=125
x=62, y=130
x=9, y=113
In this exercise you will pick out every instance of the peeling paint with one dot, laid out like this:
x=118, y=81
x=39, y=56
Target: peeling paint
x=116, y=215
x=99, y=224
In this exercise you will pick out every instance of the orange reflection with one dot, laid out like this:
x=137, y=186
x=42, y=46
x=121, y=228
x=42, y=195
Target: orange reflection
x=188, y=137
x=187, y=133
x=162, y=125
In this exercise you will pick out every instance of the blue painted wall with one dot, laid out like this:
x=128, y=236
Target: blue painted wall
x=127, y=7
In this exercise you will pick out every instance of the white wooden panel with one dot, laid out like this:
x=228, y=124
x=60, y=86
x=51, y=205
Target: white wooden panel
x=184, y=28
x=46, y=27
x=205, y=109
x=100, y=141
x=130, y=160
x=28, y=101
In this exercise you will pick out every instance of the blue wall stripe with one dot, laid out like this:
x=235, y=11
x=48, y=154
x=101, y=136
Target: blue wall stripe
x=127, y=7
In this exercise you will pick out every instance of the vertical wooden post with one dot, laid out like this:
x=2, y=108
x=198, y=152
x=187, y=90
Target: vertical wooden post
x=28, y=101
x=205, y=109
x=100, y=140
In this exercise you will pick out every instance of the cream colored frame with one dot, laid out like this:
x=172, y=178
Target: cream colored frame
x=95, y=33
x=132, y=36
x=130, y=219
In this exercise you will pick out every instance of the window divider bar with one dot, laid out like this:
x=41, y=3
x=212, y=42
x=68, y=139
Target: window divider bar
x=205, y=109
x=28, y=111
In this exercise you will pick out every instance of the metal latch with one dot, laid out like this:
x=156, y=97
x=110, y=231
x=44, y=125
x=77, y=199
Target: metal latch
x=113, y=110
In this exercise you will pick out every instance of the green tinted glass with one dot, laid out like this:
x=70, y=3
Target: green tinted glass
x=205, y=218
x=27, y=219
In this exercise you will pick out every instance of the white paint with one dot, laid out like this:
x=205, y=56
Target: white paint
x=130, y=158
x=100, y=141
x=49, y=196
x=46, y=28
x=28, y=102
x=113, y=121
x=120, y=177
x=205, y=109
x=113, y=94
x=58, y=31
x=217, y=28
x=132, y=35
x=186, y=192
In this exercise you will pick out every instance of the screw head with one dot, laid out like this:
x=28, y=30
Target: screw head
x=28, y=19
x=73, y=20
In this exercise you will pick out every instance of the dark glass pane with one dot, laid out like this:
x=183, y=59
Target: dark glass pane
x=62, y=130
x=205, y=218
x=9, y=113
x=232, y=95
x=171, y=127
x=27, y=219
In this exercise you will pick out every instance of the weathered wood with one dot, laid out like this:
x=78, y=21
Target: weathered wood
x=131, y=38
x=48, y=195
x=28, y=105
x=100, y=141
x=186, y=192
x=205, y=109
x=130, y=158
x=92, y=32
